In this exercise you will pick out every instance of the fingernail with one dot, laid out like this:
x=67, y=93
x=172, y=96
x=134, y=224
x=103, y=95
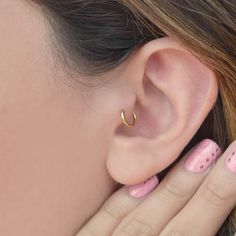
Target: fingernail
x=202, y=156
x=231, y=161
x=142, y=189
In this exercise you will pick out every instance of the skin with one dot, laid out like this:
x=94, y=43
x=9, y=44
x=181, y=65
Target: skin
x=63, y=148
x=50, y=170
x=184, y=203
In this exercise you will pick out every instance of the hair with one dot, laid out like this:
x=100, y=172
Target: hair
x=94, y=37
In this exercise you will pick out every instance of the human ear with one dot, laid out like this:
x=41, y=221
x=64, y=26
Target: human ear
x=174, y=93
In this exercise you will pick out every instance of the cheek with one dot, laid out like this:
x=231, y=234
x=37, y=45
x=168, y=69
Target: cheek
x=52, y=163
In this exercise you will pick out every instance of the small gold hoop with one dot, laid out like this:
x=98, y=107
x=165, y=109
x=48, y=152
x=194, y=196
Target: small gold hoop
x=125, y=121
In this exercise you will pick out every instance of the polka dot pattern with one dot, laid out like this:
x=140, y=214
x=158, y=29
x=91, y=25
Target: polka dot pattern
x=202, y=156
x=231, y=161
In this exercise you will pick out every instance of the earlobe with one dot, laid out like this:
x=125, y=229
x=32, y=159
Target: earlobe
x=175, y=92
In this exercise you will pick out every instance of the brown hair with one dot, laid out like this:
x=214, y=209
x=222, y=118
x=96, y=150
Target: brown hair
x=100, y=35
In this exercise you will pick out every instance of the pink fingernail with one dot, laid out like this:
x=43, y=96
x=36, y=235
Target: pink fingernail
x=231, y=161
x=202, y=156
x=142, y=189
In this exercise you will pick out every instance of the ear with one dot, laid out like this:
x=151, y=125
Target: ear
x=174, y=93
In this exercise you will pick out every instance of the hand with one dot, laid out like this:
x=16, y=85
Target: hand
x=193, y=200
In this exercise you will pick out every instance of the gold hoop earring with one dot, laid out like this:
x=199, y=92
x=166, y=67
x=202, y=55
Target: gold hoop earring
x=124, y=120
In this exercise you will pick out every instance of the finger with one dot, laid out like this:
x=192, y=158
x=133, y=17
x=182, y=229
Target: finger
x=153, y=214
x=112, y=212
x=212, y=203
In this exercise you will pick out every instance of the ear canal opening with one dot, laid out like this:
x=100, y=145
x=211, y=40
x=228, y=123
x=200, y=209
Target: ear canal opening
x=153, y=117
